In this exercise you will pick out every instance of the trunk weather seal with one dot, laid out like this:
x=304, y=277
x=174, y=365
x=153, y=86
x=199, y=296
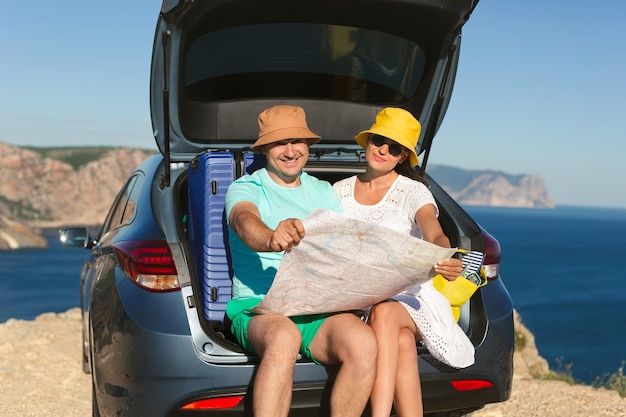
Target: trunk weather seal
x=165, y=178
x=437, y=107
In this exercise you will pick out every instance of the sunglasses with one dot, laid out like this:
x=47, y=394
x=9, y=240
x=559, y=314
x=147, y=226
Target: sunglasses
x=395, y=149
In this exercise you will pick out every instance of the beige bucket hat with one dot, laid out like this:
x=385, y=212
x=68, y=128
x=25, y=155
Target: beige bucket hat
x=283, y=122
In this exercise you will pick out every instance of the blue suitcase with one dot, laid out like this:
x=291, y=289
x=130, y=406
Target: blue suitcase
x=209, y=176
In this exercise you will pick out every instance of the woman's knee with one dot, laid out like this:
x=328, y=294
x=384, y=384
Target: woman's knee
x=407, y=342
x=407, y=350
x=385, y=313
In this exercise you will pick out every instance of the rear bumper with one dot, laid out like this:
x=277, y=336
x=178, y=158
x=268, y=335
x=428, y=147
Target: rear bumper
x=493, y=364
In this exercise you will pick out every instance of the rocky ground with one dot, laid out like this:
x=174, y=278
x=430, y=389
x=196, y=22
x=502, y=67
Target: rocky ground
x=41, y=375
x=533, y=397
x=40, y=370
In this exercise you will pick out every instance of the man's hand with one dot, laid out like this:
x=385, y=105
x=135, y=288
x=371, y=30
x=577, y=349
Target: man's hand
x=288, y=234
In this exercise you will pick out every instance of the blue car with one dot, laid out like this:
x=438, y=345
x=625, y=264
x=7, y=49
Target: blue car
x=157, y=279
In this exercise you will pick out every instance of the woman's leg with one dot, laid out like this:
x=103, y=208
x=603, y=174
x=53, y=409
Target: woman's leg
x=387, y=319
x=408, y=395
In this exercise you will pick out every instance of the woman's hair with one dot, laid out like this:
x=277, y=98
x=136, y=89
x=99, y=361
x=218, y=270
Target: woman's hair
x=404, y=168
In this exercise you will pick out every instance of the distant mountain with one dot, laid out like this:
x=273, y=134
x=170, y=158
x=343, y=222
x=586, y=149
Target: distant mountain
x=492, y=188
x=49, y=187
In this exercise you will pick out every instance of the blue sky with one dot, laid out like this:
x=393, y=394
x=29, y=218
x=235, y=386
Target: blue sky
x=540, y=87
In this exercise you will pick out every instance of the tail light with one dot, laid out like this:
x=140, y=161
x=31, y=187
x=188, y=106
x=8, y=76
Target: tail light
x=214, y=403
x=471, y=384
x=492, y=256
x=148, y=263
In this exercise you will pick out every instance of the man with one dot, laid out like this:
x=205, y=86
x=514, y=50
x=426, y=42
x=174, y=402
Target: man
x=264, y=211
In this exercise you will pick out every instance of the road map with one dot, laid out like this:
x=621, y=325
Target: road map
x=345, y=264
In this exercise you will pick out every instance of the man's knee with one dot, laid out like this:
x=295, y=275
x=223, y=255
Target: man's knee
x=346, y=338
x=278, y=334
x=363, y=345
x=364, y=355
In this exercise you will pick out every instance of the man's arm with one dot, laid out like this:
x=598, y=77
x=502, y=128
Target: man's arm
x=246, y=221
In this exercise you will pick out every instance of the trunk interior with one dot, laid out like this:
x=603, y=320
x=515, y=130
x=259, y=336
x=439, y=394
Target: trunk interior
x=212, y=294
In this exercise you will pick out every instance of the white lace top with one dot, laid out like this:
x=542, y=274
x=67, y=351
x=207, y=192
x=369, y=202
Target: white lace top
x=397, y=208
x=428, y=308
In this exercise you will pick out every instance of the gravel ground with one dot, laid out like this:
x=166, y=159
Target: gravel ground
x=41, y=375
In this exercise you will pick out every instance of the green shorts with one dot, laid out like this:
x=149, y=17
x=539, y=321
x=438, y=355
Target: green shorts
x=239, y=312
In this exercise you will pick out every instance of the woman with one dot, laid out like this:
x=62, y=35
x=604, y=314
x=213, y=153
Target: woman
x=391, y=193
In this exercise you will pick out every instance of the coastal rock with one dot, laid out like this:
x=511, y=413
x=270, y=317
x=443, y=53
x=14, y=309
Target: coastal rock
x=527, y=360
x=15, y=235
x=44, y=192
x=492, y=188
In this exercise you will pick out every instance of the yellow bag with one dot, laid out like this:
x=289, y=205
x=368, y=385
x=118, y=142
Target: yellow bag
x=461, y=289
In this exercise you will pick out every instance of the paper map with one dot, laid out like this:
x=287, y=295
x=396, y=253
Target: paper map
x=346, y=264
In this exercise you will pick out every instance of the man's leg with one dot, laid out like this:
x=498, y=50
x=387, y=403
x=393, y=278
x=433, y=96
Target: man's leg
x=346, y=340
x=277, y=341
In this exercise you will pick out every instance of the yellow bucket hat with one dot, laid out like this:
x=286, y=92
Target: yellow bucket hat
x=398, y=125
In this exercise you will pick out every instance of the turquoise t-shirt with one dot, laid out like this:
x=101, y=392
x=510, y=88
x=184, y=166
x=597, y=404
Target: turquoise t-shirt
x=253, y=272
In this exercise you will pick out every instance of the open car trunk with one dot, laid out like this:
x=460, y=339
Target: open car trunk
x=217, y=64
x=202, y=190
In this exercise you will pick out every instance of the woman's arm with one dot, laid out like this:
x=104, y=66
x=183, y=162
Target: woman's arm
x=426, y=219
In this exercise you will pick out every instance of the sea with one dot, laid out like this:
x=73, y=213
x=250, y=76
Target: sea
x=563, y=268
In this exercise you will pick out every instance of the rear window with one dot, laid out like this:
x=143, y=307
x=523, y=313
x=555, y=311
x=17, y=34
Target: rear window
x=302, y=60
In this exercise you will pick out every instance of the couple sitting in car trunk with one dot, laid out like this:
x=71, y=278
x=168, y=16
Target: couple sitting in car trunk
x=376, y=358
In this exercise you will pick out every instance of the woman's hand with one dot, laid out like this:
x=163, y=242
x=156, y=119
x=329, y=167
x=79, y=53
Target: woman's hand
x=450, y=269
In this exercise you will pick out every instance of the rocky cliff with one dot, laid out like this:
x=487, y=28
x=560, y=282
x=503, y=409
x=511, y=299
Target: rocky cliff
x=40, y=188
x=492, y=188
x=37, y=191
